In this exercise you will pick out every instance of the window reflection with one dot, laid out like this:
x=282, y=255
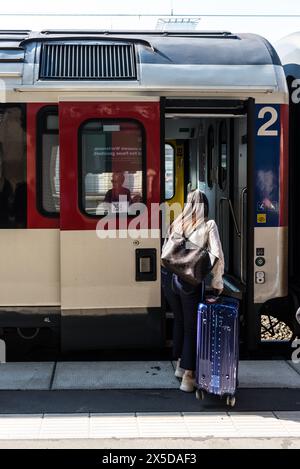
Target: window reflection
x=169, y=171
x=112, y=176
x=223, y=155
x=13, y=192
x=210, y=149
x=48, y=188
x=267, y=186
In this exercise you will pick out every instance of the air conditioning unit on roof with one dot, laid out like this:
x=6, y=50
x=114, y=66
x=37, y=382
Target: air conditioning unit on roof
x=177, y=24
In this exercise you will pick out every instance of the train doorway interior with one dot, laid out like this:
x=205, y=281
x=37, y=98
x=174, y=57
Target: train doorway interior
x=207, y=149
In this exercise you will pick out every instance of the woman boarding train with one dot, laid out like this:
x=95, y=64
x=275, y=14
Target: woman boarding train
x=181, y=292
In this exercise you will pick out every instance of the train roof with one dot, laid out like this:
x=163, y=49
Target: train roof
x=139, y=61
x=288, y=49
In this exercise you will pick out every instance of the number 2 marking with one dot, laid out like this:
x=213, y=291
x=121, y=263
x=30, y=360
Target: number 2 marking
x=263, y=130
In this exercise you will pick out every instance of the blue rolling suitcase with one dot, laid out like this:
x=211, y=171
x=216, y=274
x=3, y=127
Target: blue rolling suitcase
x=217, y=349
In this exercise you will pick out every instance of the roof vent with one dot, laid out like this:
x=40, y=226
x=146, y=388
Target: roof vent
x=88, y=62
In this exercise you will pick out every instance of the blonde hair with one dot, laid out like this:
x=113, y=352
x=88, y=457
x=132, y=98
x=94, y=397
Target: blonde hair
x=192, y=216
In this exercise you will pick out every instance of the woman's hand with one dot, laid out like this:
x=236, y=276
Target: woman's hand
x=214, y=298
x=211, y=299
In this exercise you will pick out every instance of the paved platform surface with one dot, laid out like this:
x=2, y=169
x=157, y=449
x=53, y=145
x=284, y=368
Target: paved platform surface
x=134, y=375
x=151, y=425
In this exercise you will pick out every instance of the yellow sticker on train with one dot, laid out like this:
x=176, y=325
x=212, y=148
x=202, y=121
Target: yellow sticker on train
x=261, y=218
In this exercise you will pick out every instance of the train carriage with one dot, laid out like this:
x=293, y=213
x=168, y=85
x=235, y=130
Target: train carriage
x=158, y=114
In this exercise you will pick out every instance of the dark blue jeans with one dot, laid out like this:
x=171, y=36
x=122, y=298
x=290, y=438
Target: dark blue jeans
x=183, y=300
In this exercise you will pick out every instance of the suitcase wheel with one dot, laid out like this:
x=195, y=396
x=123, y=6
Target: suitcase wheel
x=200, y=395
x=230, y=401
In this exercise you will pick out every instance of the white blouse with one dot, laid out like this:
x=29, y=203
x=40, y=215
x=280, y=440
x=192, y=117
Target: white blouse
x=212, y=239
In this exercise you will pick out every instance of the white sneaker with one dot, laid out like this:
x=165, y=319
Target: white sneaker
x=179, y=372
x=188, y=384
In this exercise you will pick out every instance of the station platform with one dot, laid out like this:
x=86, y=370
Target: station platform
x=129, y=403
x=134, y=375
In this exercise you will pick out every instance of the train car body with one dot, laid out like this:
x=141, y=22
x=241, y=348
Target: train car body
x=170, y=112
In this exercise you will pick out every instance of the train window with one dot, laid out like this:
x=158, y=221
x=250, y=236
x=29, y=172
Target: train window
x=52, y=122
x=210, y=150
x=222, y=155
x=111, y=165
x=202, y=161
x=169, y=171
x=13, y=191
x=48, y=197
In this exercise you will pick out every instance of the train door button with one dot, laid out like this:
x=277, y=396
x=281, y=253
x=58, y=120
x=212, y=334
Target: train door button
x=145, y=264
x=260, y=277
x=260, y=261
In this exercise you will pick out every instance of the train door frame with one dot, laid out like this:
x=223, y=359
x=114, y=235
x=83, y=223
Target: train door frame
x=223, y=193
x=252, y=319
x=199, y=107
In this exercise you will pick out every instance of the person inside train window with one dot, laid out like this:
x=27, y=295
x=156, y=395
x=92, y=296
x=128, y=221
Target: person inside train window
x=118, y=190
x=183, y=297
x=6, y=196
x=120, y=194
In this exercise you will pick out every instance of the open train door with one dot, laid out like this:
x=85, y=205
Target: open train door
x=110, y=274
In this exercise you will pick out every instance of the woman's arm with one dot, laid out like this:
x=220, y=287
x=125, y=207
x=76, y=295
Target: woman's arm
x=167, y=235
x=215, y=247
